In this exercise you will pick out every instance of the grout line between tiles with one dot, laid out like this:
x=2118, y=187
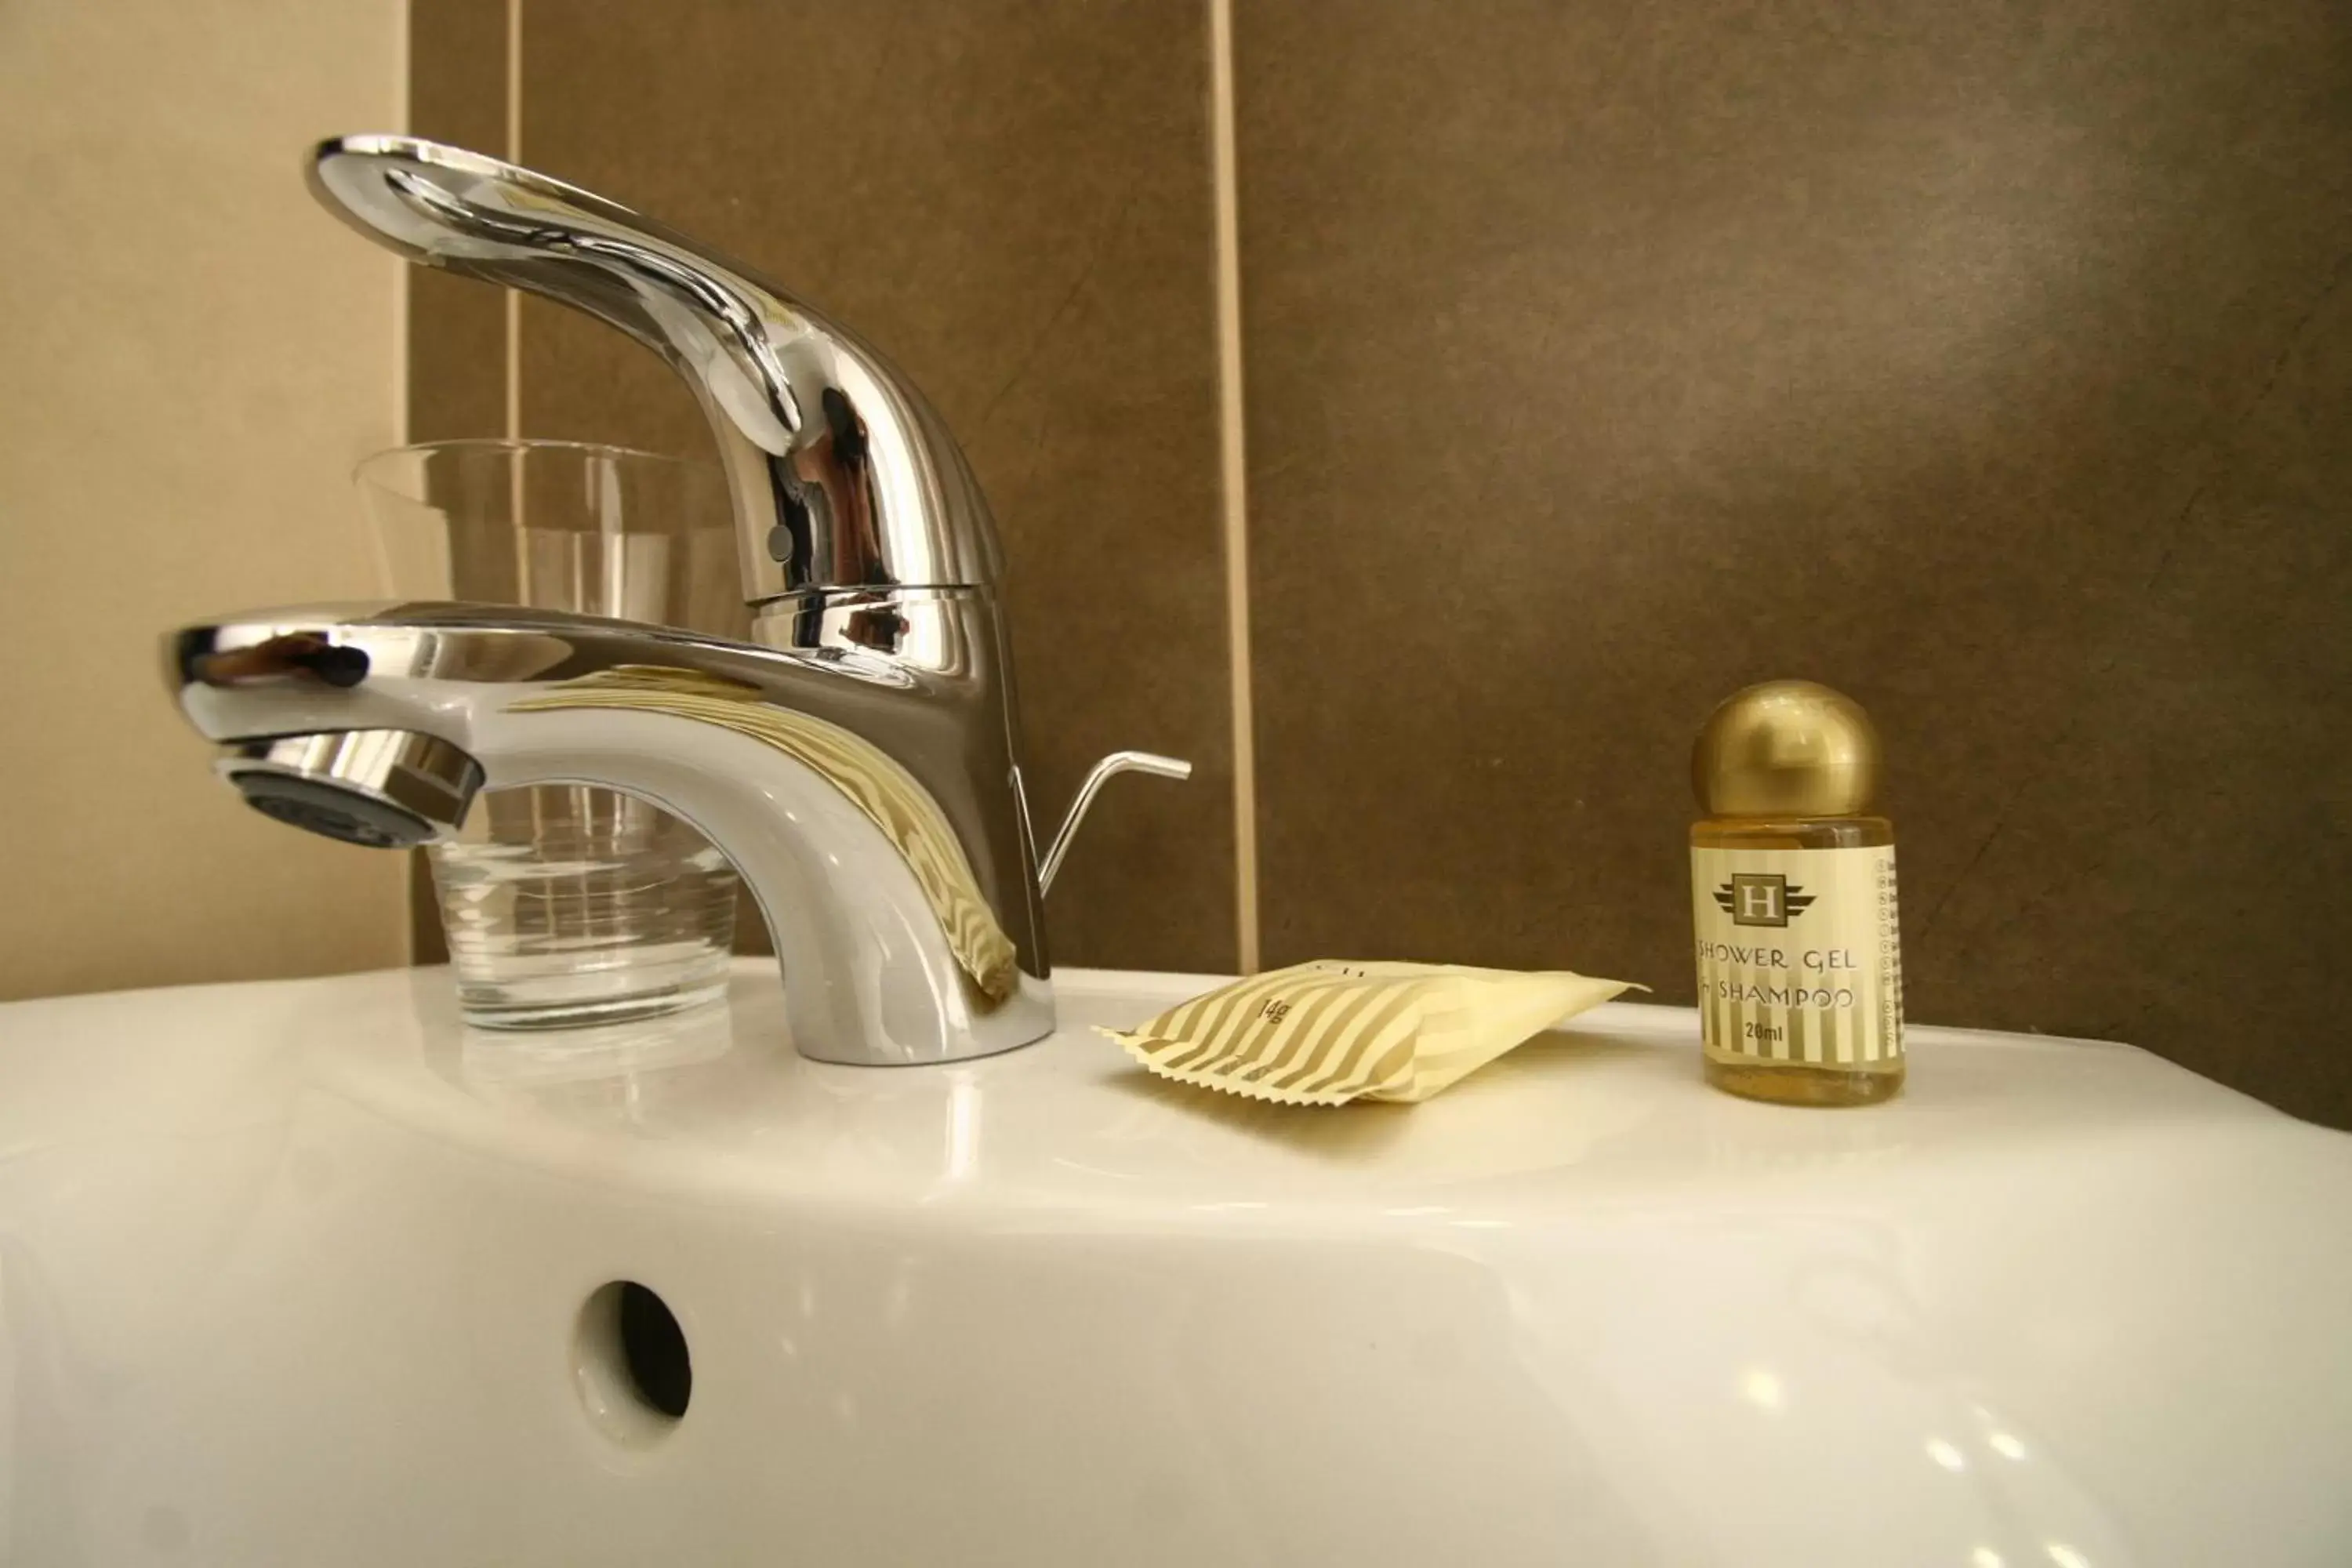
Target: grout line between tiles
x=514, y=155
x=1232, y=452
x=404, y=57
x=403, y=92
x=513, y=298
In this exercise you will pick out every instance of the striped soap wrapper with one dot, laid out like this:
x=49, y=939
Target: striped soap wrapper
x=1328, y=1032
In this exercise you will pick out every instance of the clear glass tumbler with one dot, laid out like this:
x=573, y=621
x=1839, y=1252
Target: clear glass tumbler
x=565, y=905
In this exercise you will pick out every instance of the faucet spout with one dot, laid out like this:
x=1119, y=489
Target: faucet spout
x=818, y=776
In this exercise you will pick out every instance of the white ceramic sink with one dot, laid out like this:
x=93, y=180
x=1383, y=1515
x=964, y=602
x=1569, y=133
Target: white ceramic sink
x=294, y=1273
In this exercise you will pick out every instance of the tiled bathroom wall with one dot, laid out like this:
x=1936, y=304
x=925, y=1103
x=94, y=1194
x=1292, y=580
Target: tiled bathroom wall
x=1993, y=363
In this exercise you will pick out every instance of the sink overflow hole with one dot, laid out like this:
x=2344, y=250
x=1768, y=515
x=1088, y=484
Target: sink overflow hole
x=630, y=1362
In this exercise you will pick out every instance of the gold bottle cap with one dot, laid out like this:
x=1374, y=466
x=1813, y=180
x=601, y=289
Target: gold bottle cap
x=1786, y=747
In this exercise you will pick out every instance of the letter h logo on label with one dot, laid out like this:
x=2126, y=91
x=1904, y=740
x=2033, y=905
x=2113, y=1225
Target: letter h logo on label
x=1758, y=899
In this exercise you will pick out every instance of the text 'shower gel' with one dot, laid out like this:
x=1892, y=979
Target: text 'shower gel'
x=1326, y=1032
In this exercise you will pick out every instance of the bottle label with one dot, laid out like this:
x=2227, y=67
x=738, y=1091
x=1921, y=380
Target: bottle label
x=1800, y=955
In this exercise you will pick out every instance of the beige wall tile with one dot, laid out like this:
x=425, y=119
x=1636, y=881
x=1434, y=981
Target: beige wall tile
x=197, y=356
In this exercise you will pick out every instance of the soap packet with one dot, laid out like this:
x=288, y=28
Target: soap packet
x=1327, y=1032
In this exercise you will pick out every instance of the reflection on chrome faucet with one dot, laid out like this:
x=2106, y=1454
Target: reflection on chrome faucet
x=891, y=798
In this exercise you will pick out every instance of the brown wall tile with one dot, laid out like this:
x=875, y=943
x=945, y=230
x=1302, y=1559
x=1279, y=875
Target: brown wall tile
x=1013, y=199
x=1602, y=360
x=456, y=327
x=1989, y=363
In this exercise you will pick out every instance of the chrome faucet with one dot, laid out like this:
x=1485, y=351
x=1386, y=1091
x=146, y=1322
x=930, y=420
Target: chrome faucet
x=858, y=760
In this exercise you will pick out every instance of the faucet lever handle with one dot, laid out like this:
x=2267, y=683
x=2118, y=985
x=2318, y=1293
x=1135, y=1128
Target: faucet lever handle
x=841, y=475
x=1099, y=774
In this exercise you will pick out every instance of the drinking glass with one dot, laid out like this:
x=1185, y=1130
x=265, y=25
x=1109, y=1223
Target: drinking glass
x=563, y=904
